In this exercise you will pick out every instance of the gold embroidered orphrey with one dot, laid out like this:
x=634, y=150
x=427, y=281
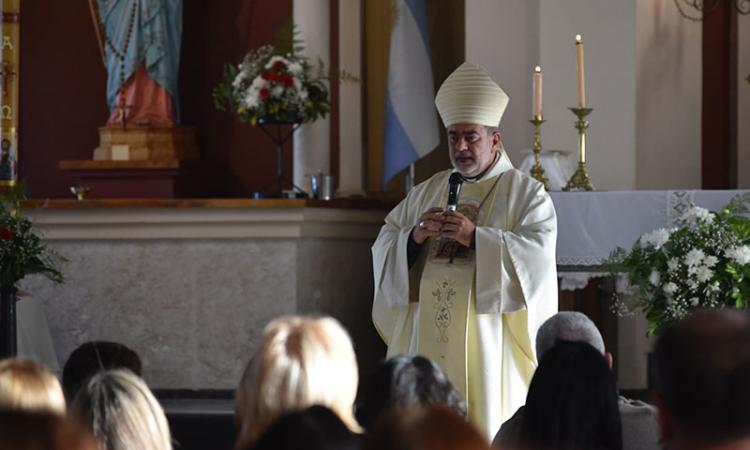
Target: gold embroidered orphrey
x=447, y=281
x=443, y=305
x=448, y=251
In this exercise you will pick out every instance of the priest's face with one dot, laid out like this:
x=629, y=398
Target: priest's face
x=472, y=148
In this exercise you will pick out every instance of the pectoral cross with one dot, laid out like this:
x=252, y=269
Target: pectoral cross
x=7, y=73
x=123, y=108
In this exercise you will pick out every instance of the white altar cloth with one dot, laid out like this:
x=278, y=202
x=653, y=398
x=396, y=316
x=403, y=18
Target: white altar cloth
x=591, y=224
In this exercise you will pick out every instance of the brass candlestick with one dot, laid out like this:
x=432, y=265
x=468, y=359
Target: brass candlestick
x=537, y=172
x=580, y=180
x=81, y=192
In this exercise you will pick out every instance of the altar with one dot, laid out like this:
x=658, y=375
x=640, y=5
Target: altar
x=189, y=284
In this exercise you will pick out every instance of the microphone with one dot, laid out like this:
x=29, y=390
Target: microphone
x=454, y=190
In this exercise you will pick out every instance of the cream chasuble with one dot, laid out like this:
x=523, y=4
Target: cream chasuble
x=475, y=313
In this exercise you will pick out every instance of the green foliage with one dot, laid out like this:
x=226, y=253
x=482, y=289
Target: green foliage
x=222, y=94
x=739, y=204
x=22, y=252
x=703, y=264
x=288, y=41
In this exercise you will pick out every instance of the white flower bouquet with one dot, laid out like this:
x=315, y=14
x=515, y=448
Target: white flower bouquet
x=271, y=87
x=703, y=264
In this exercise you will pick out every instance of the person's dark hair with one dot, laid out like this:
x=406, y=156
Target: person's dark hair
x=702, y=375
x=313, y=428
x=406, y=381
x=572, y=402
x=433, y=427
x=93, y=357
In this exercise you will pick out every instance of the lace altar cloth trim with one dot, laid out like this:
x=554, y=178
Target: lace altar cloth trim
x=678, y=203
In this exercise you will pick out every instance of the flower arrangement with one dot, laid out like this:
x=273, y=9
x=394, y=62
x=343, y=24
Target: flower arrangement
x=271, y=86
x=22, y=252
x=703, y=264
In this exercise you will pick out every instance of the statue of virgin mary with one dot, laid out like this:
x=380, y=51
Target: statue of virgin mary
x=141, y=50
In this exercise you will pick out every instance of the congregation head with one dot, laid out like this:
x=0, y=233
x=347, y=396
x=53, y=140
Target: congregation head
x=570, y=326
x=431, y=427
x=121, y=412
x=300, y=362
x=406, y=381
x=572, y=402
x=313, y=428
x=91, y=357
x=27, y=385
x=28, y=430
x=702, y=378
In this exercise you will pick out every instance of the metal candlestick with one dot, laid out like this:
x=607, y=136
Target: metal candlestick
x=580, y=180
x=537, y=172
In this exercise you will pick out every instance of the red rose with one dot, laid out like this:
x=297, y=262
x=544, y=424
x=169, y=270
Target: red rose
x=264, y=93
x=6, y=234
x=279, y=65
x=288, y=80
x=267, y=75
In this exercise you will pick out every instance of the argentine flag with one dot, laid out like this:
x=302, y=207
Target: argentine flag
x=411, y=129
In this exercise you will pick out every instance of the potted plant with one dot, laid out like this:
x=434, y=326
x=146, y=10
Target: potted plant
x=22, y=253
x=705, y=263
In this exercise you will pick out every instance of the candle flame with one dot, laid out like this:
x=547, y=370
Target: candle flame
x=578, y=38
x=538, y=69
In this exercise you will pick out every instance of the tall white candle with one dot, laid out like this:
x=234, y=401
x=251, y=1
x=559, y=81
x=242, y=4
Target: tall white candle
x=581, y=73
x=537, y=107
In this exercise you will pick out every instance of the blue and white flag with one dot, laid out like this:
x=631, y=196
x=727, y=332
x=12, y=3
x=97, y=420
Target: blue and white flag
x=411, y=128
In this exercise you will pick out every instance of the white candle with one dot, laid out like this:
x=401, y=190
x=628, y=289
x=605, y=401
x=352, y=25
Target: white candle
x=537, y=106
x=581, y=72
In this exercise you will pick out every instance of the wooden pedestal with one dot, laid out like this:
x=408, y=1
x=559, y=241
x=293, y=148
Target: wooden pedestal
x=146, y=143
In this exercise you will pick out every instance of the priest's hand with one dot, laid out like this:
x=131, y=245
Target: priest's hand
x=429, y=225
x=458, y=227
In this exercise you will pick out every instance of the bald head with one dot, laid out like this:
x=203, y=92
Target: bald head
x=702, y=375
x=570, y=326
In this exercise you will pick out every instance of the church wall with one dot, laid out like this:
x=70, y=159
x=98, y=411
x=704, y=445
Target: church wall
x=743, y=106
x=609, y=36
x=337, y=280
x=668, y=101
x=61, y=92
x=215, y=33
x=62, y=89
x=503, y=37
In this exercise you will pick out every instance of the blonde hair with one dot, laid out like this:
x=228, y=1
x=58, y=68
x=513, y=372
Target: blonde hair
x=302, y=361
x=122, y=412
x=28, y=386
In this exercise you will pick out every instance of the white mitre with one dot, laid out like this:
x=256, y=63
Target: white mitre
x=470, y=95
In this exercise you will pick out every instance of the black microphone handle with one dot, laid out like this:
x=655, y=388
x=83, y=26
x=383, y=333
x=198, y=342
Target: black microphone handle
x=454, y=191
